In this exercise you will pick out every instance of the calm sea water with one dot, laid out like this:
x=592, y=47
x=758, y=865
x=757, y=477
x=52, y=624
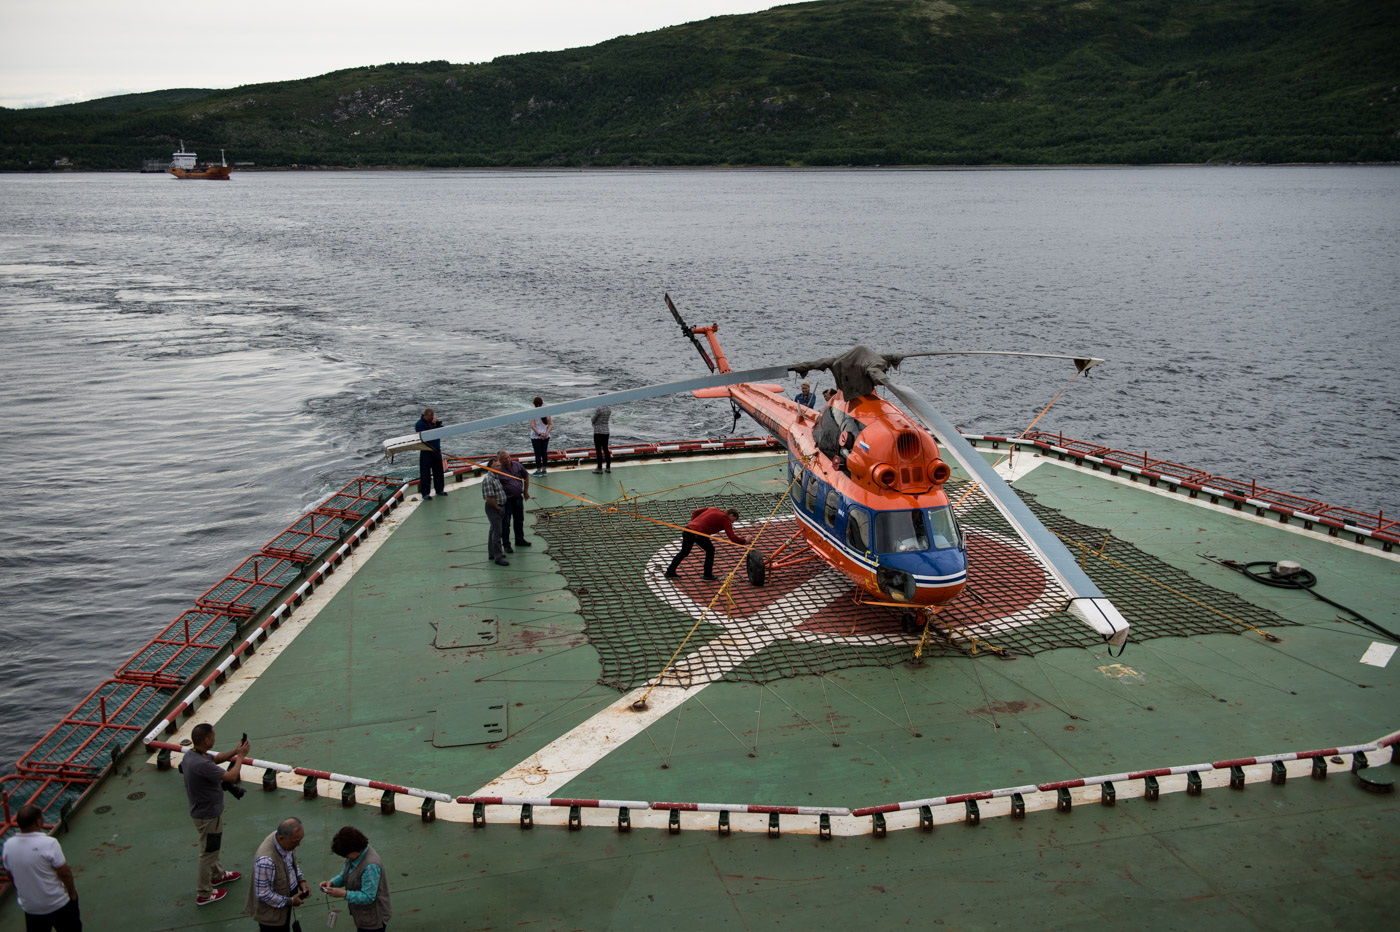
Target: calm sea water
x=188, y=366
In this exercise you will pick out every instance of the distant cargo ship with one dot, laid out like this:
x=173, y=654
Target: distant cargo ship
x=183, y=165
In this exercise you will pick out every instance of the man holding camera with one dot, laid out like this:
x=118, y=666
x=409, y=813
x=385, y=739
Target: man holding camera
x=205, y=782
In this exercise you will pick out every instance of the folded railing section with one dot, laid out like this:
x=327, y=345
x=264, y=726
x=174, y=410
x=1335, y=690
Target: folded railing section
x=59, y=770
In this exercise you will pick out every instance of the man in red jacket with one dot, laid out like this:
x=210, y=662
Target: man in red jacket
x=705, y=522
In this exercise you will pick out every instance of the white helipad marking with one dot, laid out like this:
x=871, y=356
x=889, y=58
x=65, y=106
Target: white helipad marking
x=1378, y=654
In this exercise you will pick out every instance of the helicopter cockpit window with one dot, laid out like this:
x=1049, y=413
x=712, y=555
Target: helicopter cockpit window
x=943, y=528
x=900, y=531
x=833, y=502
x=811, y=491
x=858, y=529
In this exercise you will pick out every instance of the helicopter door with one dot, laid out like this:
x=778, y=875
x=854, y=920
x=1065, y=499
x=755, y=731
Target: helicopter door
x=858, y=529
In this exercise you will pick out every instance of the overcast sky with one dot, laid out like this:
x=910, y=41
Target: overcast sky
x=54, y=52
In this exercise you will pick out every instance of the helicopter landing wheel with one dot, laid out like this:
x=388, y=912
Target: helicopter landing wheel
x=909, y=623
x=755, y=568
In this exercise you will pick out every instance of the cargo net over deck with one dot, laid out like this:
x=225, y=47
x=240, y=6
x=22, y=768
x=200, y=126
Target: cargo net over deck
x=806, y=618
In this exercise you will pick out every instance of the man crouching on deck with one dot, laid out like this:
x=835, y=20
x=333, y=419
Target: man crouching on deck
x=705, y=522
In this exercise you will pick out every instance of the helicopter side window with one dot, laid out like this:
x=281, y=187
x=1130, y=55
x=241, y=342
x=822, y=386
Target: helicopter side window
x=900, y=531
x=943, y=528
x=796, y=487
x=812, y=492
x=833, y=502
x=858, y=529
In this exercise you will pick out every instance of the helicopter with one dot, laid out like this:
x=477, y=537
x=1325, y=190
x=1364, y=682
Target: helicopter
x=866, y=478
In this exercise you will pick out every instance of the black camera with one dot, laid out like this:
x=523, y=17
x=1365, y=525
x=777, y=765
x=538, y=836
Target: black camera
x=234, y=790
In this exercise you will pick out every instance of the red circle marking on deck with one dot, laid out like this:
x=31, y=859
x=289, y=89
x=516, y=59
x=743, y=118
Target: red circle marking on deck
x=1005, y=579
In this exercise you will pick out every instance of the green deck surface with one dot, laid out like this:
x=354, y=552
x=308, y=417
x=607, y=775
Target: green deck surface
x=363, y=690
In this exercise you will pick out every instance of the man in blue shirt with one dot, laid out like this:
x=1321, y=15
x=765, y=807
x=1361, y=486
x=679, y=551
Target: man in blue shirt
x=429, y=461
x=806, y=397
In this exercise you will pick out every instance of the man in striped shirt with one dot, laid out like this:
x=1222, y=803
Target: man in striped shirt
x=495, y=496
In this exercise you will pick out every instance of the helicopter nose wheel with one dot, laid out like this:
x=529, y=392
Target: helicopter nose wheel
x=909, y=623
x=755, y=568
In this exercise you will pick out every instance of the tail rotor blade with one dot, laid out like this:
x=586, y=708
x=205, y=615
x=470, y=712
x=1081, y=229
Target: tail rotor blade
x=690, y=334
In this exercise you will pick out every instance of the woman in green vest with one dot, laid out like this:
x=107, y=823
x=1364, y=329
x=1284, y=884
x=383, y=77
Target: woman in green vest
x=361, y=883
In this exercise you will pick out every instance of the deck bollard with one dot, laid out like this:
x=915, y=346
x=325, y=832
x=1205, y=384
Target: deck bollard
x=575, y=818
x=1063, y=801
x=386, y=802
x=773, y=831
x=1237, y=777
x=1110, y=795
x=428, y=812
x=1279, y=775
x=1319, y=768
x=673, y=824
x=925, y=819
x=1193, y=783
x=877, y=825
x=974, y=815
x=624, y=819
x=163, y=759
x=527, y=815
x=308, y=789
x=478, y=815
x=824, y=827
x=724, y=821
x=347, y=795
x=1151, y=790
x=1359, y=762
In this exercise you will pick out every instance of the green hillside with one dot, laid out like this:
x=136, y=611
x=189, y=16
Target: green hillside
x=837, y=82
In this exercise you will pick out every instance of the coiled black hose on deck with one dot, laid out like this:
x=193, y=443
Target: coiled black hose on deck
x=1299, y=579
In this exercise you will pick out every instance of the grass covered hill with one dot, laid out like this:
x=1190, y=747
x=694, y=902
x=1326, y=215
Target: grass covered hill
x=835, y=82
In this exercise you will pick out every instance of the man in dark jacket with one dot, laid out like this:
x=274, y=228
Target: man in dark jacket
x=430, y=461
x=515, y=482
x=704, y=523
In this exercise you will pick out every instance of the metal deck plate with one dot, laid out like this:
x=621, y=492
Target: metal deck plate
x=480, y=721
x=466, y=631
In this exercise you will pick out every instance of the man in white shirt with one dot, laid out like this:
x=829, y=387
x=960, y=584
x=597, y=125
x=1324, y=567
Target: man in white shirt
x=42, y=878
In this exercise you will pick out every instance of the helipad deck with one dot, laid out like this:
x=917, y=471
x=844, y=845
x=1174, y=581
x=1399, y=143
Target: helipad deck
x=432, y=668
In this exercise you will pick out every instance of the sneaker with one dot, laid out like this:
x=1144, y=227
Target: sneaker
x=523, y=543
x=607, y=469
x=211, y=898
x=502, y=561
x=598, y=471
x=229, y=877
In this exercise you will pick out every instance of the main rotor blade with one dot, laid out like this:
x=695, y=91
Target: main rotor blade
x=1087, y=602
x=1082, y=363
x=419, y=441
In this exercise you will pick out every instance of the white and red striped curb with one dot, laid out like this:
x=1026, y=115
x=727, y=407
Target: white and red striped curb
x=1389, y=740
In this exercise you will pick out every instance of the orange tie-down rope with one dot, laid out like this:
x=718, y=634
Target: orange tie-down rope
x=641, y=703
x=610, y=508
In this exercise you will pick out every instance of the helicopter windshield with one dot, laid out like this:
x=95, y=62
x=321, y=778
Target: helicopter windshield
x=903, y=531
